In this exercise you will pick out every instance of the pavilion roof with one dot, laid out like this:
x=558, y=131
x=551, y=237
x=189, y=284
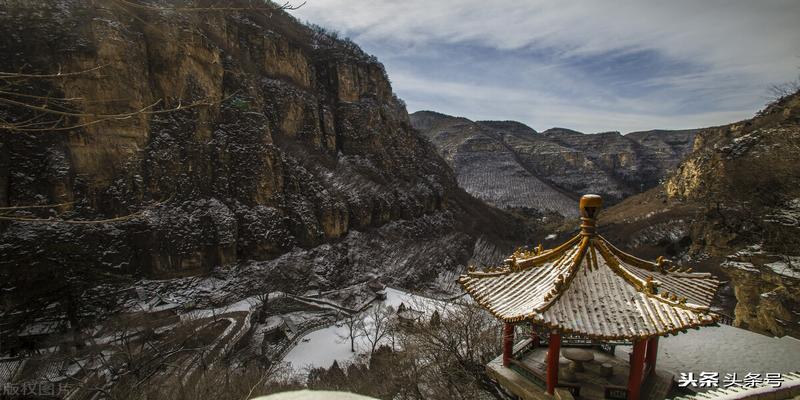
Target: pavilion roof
x=587, y=286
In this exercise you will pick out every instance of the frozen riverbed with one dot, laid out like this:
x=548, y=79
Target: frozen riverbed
x=321, y=347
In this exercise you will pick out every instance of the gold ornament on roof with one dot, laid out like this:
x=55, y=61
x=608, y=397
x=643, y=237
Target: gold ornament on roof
x=613, y=284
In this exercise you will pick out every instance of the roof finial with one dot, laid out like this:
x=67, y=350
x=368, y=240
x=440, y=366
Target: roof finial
x=590, y=205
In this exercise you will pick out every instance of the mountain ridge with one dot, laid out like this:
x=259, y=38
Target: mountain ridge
x=561, y=163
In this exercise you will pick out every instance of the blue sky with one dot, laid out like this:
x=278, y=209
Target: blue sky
x=591, y=66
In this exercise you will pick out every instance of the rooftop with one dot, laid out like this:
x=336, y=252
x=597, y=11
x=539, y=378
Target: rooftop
x=588, y=287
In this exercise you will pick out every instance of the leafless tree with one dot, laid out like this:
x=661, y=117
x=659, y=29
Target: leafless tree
x=354, y=323
x=447, y=358
x=377, y=325
x=782, y=90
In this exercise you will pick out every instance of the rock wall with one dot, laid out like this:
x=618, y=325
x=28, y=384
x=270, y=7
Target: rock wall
x=235, y=135
x=732, y=208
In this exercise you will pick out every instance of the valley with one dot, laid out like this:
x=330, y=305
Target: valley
x=200, y=201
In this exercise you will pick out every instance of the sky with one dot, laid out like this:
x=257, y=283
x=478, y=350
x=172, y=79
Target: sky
x=591, y=66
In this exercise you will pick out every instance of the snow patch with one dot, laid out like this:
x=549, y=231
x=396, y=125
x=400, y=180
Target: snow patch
x=786, y=269
x=726, y=349
x=745, y=266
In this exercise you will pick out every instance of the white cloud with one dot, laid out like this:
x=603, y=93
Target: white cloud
x=737, y=48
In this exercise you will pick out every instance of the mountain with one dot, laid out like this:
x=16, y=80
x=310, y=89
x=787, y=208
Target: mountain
x=732, y=207
x=141, y=140
x=510, y=165
x=487, y=167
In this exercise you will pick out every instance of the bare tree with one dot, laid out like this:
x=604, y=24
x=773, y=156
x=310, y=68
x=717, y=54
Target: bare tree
x=354, y=323
x=446, y=359
x=781, y=90
x=377, y=325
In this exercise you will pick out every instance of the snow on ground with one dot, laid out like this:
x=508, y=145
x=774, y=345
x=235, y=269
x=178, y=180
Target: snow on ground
x=726, y=349
x=244, y=305
x=394, y=297
x=321, y=347
x=791, y=269
x=744, y=266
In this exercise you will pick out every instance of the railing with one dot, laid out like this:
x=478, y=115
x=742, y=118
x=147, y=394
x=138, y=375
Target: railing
x=725, y=319
x=616, y=392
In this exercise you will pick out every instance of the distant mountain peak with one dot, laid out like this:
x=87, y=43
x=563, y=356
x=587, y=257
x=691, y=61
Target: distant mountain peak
x=555, y=131
x=508, y=125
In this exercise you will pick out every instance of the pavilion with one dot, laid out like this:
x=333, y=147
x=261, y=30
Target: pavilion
x=588, y=292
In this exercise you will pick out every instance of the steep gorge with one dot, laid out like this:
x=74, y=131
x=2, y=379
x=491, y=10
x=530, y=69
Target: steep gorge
x=238, y=137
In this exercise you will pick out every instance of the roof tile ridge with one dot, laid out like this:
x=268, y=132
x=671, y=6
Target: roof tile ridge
x=648, y=287
x=563, y=284
x=661, y=265
x=633, y=260
x=514, y=265
x=547, y=255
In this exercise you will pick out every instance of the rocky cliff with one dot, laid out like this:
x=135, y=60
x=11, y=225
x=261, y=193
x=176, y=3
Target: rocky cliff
x=732, y=207
x=509, y=164
x=149, y=139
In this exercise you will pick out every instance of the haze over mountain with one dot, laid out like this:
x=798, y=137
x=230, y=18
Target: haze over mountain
x=510, y=165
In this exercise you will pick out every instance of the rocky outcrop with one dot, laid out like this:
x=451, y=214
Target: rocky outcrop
x=767, y=287
x=234, y=135
x=732, y=207
x=508, y=164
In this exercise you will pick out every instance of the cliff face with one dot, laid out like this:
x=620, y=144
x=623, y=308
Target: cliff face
x=509, y=164
x=733, y=207
x=213, y=137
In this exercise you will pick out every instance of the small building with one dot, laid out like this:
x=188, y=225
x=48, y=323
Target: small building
x=588, y=296
x=378, y=288
x=408, y=315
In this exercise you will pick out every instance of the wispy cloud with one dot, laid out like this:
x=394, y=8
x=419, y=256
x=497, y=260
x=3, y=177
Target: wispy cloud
x=592, y=66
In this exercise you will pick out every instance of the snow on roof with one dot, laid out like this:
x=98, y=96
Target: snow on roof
x=587, y=286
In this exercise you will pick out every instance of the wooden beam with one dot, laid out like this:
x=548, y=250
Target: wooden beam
x=553, y=350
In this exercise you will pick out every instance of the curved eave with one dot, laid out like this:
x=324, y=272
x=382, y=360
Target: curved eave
x=588, y=287
x=697, y=288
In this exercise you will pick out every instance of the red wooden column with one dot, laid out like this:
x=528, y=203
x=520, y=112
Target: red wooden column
x=553, y=350
x=508, y=343
x=637, y=369
x=652, y=353
x=534, y=335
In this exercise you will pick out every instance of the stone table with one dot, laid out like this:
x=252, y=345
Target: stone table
x=578, y=357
